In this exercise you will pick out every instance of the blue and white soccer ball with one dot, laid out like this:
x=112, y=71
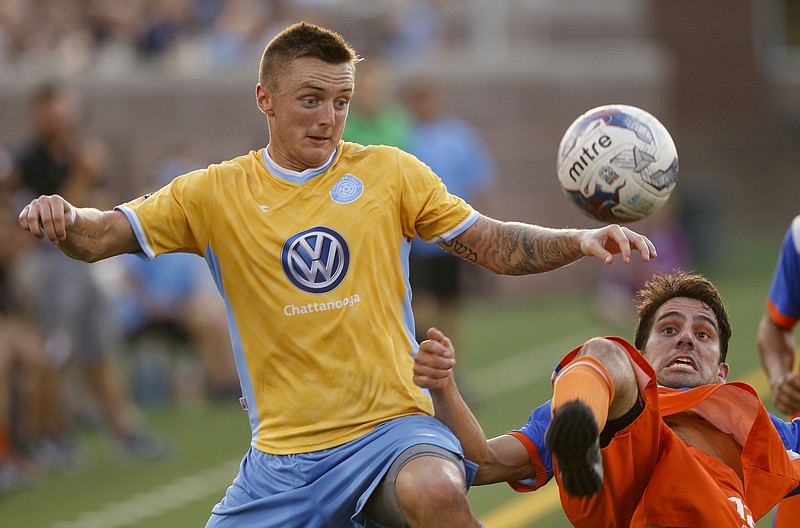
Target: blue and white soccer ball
x=617, y=163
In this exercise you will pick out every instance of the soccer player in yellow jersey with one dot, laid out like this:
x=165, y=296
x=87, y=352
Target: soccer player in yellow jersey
x=308, y=242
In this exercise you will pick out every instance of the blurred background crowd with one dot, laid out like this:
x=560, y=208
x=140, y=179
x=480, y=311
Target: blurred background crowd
x=101, y=101
x=175, y=37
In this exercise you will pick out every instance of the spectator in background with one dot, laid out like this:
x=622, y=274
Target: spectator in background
x=58, y=156
x=776, y=345
x=26, y=376
x=376, y=117
x=67, y=298
x=411, y=29
x=455, y=151
x=180, y=37
x=240, y=30
x=12, y=29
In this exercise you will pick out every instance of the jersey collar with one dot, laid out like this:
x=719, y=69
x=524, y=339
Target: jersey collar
x=295, y=176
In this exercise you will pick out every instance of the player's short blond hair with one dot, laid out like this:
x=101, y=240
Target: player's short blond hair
x=302, y=40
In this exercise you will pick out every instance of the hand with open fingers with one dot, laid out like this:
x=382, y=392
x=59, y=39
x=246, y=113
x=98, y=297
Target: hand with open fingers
x=434, y=362
x=605, y=242
x=48, y=216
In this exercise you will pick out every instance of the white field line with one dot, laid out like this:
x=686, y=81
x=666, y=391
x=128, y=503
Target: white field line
x=523, y=368
x=158, y=501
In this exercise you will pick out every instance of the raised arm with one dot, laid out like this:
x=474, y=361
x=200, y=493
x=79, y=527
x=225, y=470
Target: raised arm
x=500, y=459
x=513, y=248
x=81, y=233
x=776, y=347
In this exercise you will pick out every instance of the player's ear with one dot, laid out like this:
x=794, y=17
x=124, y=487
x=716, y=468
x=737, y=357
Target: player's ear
x=264, y=100
x=722, y=374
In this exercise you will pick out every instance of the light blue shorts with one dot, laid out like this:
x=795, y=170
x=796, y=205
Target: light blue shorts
x=324, y=488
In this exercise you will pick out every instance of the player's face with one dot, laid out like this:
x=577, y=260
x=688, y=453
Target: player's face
x=683, y=345
x=307, y=112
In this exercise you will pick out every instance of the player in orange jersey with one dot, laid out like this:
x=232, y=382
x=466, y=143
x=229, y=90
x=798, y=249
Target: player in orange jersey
x=656, y=438
x=776, y=345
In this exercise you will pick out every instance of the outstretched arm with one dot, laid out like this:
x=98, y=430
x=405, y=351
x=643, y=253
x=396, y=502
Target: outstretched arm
x=500, y=459
x=513, y=248
x=85, y=234
x=776, y=347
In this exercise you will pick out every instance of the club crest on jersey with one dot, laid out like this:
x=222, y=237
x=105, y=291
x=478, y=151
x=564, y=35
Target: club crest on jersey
x=316, y=260
x=347, y=189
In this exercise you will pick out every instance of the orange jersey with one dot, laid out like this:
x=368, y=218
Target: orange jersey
x=652, y=477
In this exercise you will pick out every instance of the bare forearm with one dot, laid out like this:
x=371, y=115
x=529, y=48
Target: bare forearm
x=96, y=235
x=776, y=349
x=500, y=459
x=450, y=408
x=512, y=248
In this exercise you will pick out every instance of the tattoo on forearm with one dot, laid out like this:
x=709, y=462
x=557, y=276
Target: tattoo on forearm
x=461, y=250
x=524, y=253
x=527, y=249
x=76, y=230
x=512, y=248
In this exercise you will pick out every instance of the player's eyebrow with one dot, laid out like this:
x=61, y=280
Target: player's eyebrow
x=709, y=320
x=316, y=87
x=673, y=313
x=683, y=317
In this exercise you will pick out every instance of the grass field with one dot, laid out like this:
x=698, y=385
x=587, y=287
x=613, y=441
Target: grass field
x=508, y=353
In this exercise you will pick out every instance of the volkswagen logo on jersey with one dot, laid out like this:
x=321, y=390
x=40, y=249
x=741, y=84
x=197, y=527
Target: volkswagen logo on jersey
x=316, y=260
x=347, y=189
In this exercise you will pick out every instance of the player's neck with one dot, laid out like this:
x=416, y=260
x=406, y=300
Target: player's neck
x=293, y=175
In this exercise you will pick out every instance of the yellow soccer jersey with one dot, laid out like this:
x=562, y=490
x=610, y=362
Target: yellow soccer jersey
x=313, y=267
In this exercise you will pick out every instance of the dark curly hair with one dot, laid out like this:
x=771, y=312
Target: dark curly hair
x=663, y=287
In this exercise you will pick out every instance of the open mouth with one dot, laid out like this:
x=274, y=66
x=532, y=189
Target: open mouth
x=683, y=363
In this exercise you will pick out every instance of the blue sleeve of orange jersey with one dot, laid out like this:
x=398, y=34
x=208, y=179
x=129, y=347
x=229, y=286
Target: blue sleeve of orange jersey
x=789, y=432
x=784, y=293
x=790, y=435
x=535, y=430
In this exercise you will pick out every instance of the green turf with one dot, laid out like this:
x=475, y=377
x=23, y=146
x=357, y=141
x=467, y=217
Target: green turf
x=213, y=438
x=199, y=437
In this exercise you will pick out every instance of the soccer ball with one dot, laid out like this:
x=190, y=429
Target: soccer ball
x=617, y=163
